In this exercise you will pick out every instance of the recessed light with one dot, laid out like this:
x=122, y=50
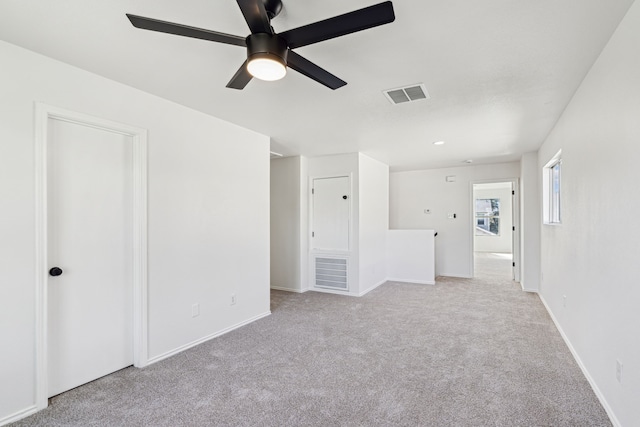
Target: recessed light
x=468, y=161
x=438, y=143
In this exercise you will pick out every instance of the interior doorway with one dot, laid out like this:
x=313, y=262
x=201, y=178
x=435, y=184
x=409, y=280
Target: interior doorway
x=494, y=229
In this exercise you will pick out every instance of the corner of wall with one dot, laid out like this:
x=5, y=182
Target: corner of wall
x=530, y=217
x=304, y=224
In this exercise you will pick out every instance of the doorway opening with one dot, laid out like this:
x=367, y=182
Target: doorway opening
x=495, y=242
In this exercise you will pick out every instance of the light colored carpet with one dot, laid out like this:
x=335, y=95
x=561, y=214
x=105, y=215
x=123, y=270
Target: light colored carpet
x=494, y=266
x=474, y=352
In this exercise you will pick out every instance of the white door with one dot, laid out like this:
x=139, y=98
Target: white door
x=90, y=305
x=331, y=201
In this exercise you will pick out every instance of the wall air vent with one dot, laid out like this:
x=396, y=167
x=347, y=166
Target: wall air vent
x=410, y=93
x=331, y=273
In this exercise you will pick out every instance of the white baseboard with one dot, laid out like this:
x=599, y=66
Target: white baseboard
x=347, y=293
x=419, y=282
x=527, y=289
x=335, y=292
x=206, y=338
x=297, y=291
x=455, y=276
x=23, y=413
x=382, y=282
x=372, y=288
x=594, y=386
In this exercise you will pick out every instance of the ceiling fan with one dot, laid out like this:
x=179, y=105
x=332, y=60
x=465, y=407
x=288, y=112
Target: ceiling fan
x=269, y=54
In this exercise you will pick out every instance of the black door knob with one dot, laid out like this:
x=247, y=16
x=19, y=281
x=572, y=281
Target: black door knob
x=55, y=271
x=344, y=197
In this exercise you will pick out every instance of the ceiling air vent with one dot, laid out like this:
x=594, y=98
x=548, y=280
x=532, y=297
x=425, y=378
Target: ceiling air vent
x=407, y=94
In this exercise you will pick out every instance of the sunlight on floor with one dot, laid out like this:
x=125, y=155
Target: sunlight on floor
x=497, y=255
x=492, y=264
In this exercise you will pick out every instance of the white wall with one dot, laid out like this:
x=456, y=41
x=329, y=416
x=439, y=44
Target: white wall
x=413, y=192
x=504, y=241
x=592, y=258
x=410, y=256
x=208, y=200
x=305, y=234
x=374, y=222
x=285, y=224
x=289, y=224
x=290, y=227
x=530, y=219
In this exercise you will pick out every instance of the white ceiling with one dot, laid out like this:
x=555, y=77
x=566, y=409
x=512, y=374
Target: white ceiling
x=499, y=72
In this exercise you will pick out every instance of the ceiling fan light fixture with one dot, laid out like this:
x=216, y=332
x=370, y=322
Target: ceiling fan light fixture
x=266, y=56
x=265, y=66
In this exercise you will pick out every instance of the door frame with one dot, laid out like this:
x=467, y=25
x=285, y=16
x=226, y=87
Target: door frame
x=515, y=234
x=311, y=252
x=43, y=113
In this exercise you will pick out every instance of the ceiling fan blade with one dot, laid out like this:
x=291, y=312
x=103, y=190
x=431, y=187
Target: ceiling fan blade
x=241, y=78
x=184, y=30
x=256, y=16
x=311, y=70
x=341, y=25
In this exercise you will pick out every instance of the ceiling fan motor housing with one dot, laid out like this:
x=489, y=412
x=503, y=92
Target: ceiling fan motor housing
x=268, y=46
x=273, y=7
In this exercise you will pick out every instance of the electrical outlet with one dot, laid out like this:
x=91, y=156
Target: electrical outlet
x=233, y=299
x=564, y=301
x=619, y=371
x=195, y=310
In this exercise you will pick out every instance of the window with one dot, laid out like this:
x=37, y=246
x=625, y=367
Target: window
x=487, y=217
x=552, y=186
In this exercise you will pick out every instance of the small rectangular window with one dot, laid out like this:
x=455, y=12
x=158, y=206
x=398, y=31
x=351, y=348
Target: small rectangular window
x=487, y=217
x=552, y=188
